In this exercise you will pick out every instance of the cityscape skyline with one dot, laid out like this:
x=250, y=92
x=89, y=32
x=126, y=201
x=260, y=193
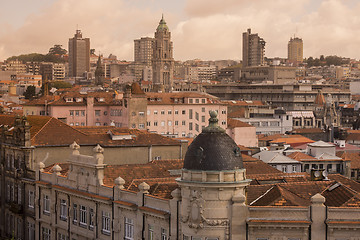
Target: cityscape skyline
x=326, y=27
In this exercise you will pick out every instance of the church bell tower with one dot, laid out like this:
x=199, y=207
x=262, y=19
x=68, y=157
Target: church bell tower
x=162, y=62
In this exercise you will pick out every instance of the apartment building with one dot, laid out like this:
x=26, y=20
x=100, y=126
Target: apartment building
x=182, y=114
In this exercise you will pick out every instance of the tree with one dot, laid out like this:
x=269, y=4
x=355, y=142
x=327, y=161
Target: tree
x=322, y=58
x=30, y=92
x=57, y=50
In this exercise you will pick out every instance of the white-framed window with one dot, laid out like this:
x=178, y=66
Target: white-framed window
x=162, y=123
x=75, y=216
x=91, y=218
x=106, y=221
x=151, y=232
x=155, y=123
x=46, y=202
x=294, y=168
x=155, y=112
x=176, y=123
x=148, y=112
x=284, y=168
x=169, y=112
x=176, y=112
x=169, y=123
x=46, y=234
x=82, y=113
x=141, y=126
x=157, y=157
x=141, y=113
x=77, y=113
x=71, y=112
x=129, y=229
x=63, y=209
x=162, y=112
x=83, y=214
x=31, y=231
x=183, y=123
x=31, y=199
x=164, y=234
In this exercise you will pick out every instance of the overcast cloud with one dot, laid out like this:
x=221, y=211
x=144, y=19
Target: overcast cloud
x=200, y=28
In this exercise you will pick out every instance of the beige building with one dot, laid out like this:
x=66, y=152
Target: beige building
x=181, y=114
x=143, y=50
x=269, y=74
x=215, y=193
x=295, y=51
x=253, y=49
x=79, y=55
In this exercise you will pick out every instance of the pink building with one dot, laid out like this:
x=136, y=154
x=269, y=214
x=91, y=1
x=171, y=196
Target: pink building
x=93, y=108
x=242, y=133
x=182, y=114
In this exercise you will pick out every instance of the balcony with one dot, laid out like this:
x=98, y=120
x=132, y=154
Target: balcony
x=16, y=208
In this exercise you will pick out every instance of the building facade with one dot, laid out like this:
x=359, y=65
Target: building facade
x=163, y=61
x=79, y=55
x=253, y=49
x=295, y=51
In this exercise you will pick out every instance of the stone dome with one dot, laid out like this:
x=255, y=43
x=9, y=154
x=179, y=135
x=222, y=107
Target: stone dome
x=213, y=150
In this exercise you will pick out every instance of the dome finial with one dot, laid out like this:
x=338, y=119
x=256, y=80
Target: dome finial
x=213, y=123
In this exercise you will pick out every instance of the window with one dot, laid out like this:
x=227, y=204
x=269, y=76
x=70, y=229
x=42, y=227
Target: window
x=183, y=134
x=197, y=127
x=294, y=168
x=190, y=126
x=62, y=236
x=155, y=112
x=223, y=111
x=141, y=126
x=46, y=204
x=176, y=112
x=82, y=124
x=75, y=218
x=148, y=124
x=151, y=232
x=76, y=124
x=105, y=113
x=129, y=229
x=202, y=118
x=155, y=123
x=97, y=124
x=176, y=123
x=97, y=113
x=63, y=209
x=183, y=112
x=106, y=220
x=190, y=113
x=31, y=231
x=223, y=122
x=71, y=124
x=157, y=157
x=183, y=123
x=162, y=112
x=71, y=112
x=46, y=234
x=19, y=198
x=163, y=234
x=190, y=100
x=169, y=112
x=148, y=112
x=203, y=100
x=82, y=113
x=202, y=109
x=197, y=116
x=162, y=123
x=77, y=113
x=141, y=113
x=169, y=123
x=284, y=168
x=83, y=214
x=91, y=219
x=31, y=199
x=69, y=100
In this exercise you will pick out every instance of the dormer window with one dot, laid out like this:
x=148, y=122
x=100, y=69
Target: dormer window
x=79, y=99
x=68, y=99
x=101, y=99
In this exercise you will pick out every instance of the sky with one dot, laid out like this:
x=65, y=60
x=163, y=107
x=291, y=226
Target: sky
x=203, y=29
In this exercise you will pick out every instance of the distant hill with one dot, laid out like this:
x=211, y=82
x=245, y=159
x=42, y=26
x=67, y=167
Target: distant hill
x=37, y=57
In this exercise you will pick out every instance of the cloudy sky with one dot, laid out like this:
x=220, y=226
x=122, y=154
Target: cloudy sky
x=205, y=29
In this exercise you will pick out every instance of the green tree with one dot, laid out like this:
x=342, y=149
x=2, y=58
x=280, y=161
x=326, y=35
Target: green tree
x=60, y=84
x=57, y=50
x=30, y=92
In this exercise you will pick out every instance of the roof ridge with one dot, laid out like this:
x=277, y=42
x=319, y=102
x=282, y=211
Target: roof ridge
x=42, y=128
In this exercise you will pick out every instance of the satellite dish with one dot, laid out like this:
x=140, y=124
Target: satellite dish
x=317, y=174
x=325, y=173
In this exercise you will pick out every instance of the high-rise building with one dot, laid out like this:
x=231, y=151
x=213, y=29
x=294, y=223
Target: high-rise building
x=162, y=62
x=253, y=49
x=295, y=50
x=143, y=50
x=79, y=55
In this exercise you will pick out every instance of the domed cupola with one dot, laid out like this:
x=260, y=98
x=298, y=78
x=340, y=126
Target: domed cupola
x=162, y=25
x=213, y=150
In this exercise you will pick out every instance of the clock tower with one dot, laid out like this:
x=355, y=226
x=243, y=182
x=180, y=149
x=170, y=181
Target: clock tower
x=162, y=62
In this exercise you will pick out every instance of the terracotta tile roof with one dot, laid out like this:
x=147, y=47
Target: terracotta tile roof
x=292, y=140
x=299, y=156
x=307, y=130
x=353, y=137
x=258, y=167
x=244, y=103
x=233, y=123
x=64, y=168
x=270, y=137
x=237, y=114
x=136, y=89
x=353, y=157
